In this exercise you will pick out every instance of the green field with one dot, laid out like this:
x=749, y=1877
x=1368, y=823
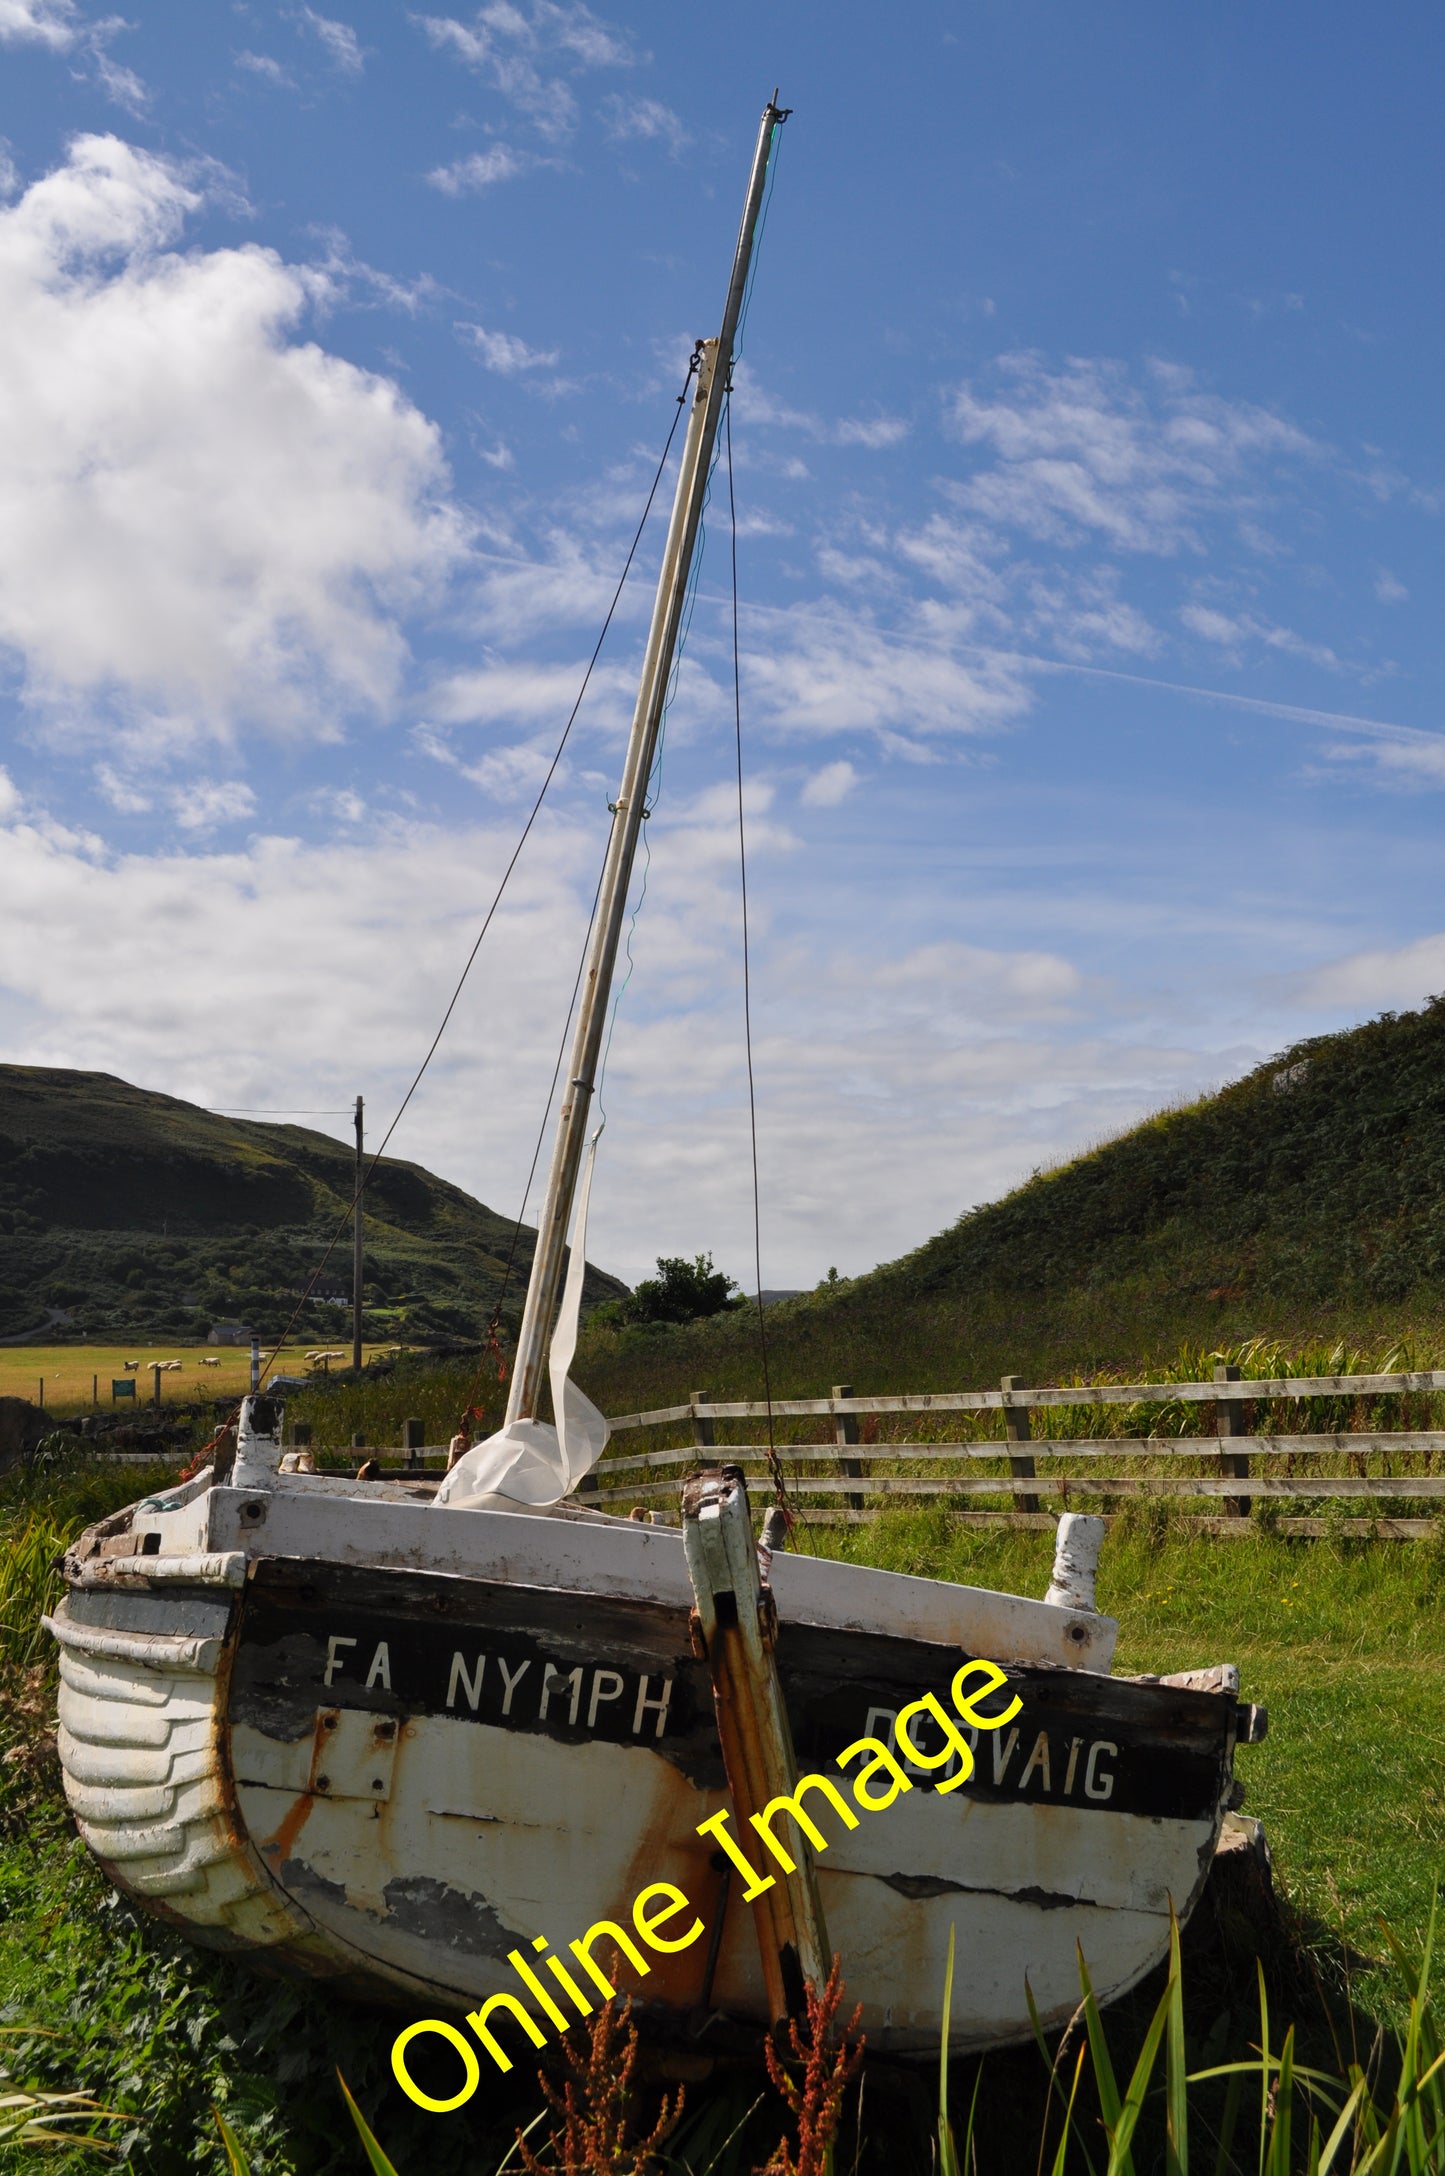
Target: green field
x=72, y=1376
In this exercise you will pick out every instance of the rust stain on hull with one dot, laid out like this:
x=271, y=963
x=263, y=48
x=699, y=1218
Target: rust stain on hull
x=278, y=1848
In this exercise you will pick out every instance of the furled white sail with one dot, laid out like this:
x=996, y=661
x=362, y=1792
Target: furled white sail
x=529, y=1464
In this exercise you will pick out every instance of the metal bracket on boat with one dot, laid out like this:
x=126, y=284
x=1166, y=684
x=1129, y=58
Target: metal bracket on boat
x=734, y=1629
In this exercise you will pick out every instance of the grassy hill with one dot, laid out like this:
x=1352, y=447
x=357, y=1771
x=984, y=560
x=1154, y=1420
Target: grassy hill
x=127, y=1214
x=1304, y=1201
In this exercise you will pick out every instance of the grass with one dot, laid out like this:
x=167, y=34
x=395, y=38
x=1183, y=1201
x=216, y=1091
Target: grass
x=68, y=1372
x=435, y=1394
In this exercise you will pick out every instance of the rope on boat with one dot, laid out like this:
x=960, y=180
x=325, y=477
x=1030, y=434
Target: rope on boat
x=349, y=1212
x=774, y=1465
x=492, y=1353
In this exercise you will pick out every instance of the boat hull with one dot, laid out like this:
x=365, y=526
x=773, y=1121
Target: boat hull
x=392, y=1777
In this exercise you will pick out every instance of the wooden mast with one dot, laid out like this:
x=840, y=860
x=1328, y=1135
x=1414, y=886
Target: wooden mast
x=713, y=361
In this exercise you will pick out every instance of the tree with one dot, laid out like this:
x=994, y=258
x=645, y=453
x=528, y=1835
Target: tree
x=683, y=1291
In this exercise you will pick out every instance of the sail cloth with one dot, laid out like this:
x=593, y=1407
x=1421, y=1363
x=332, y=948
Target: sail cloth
x=528, y=1464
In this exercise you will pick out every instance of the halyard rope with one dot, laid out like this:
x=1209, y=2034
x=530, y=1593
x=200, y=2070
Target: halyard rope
x=774, y=1465
x=350, y=1210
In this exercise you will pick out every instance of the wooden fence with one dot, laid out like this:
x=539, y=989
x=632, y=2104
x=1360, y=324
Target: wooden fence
x=1227, y=1471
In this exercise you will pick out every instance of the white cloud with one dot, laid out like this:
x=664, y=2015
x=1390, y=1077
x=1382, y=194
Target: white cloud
x=204, y=804
x=503, y=774
x=269, y=70
x=755, y=407
x=1234, y=632
x=1389, y=589
x=1083, y=452
x=505, y=353
x=870, y=431
x=521, y=692
x=59, y=26
x=9, y=794
x=517, y=597
x=122, y=793
x=820, y=672
x=39, y=22
x=1369, y=982
x=121, y=84
x=339, y=803
x=829, y=786
x=1402, y=758
x=645, y=119
x=479, y=170
x=339, y=41
x=204, y=521
x=965, y=982
x=520, y=49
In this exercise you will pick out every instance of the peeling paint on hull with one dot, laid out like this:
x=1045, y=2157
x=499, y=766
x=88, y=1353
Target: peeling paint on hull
x=391, y=1775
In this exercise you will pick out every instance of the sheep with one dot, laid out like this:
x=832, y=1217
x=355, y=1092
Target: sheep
x=130, y=1366
x=210, y=1363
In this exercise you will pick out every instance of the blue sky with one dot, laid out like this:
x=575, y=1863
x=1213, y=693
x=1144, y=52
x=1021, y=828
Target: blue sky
x=1090, y=484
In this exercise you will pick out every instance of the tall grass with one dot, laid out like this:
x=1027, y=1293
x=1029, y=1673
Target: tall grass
x=42, y=1509
x=29, y=1584
x=1380, y=2117
x=375, y=1407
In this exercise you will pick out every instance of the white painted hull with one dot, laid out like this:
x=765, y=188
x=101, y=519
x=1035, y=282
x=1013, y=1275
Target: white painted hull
x=400, y=1839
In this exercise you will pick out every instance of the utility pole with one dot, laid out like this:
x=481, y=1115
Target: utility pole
x=356, y=1246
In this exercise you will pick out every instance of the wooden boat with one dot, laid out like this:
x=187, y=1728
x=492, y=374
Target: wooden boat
x=393, y=1738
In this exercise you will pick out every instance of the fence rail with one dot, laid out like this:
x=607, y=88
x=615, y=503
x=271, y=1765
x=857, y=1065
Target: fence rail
x=1222, y=1464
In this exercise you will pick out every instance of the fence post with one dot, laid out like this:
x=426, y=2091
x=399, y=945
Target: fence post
x=155, y=1371
x=704, y=1434
x=413, y=1437
x=1016, y=1429
x=95, y=1390
x=42, y=1393
x=845, y=1430
x=1229, y=1421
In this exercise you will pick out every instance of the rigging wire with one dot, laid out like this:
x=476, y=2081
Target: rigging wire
x=774, y=1465
x=516, y=854
x=492, y=1348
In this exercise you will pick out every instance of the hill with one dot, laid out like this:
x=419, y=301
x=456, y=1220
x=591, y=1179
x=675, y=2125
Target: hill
x=1307, y=1199
x=127, y=1214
